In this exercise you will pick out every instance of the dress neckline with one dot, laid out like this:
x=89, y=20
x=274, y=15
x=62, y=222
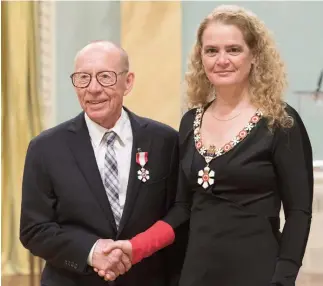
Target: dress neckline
x=213, y=151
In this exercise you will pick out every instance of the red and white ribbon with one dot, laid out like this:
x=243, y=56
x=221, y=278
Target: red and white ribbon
x=142, y=158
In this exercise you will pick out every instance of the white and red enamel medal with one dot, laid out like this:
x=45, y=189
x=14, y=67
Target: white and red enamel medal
x=142, y=159
x=206, y=177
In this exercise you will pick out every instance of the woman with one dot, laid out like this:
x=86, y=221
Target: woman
x=243, y=153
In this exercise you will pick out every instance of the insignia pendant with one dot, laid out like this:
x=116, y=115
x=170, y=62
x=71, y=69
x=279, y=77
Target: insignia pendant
x=206, y=177
x=143, y=175
x=142, y=159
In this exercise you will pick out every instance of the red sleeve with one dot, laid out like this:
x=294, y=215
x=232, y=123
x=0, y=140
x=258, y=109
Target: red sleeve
x=158, y=236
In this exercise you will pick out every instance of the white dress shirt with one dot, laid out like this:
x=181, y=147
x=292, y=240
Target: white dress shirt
x=122, y=148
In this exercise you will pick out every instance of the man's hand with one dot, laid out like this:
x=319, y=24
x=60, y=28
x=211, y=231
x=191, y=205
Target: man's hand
x=112, y=265
x=124, y=245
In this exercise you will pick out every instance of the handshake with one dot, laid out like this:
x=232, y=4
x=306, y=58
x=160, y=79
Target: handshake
x=112, y=258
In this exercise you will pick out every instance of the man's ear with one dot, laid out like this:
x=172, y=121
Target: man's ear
x=129, y=82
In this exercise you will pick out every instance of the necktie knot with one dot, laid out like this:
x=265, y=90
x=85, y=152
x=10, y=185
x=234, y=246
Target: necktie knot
x=110, y=137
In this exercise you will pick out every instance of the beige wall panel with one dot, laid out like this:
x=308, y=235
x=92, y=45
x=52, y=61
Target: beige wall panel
x=151, y=34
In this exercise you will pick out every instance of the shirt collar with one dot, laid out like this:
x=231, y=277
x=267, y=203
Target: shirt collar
x=97, y=131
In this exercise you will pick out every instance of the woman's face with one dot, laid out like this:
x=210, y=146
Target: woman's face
x=225, y=55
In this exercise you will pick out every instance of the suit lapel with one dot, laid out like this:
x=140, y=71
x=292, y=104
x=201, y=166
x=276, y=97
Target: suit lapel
x=141, y=140
x=80, y=144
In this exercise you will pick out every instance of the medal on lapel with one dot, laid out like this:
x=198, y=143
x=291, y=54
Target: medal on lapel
x=142, y=159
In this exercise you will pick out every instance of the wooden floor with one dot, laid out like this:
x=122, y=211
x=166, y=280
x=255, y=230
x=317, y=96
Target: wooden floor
x=303, y=280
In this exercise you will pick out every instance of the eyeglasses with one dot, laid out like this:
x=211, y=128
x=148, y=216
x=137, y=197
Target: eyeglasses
x=105, y=78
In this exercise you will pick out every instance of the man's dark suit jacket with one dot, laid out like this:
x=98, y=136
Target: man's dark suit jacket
x=65, y=208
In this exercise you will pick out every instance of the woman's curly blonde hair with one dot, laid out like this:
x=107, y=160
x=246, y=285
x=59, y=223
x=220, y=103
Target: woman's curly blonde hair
x=267, y=78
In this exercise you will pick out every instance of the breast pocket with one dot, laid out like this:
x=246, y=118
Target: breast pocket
x=153, y=194
x=156, y=181
x=157, y=174
x=157, y=185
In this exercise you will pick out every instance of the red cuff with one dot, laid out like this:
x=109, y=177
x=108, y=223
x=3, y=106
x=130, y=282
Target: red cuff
x=160, y=235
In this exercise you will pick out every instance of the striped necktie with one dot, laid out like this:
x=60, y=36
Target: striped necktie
x=111, y=179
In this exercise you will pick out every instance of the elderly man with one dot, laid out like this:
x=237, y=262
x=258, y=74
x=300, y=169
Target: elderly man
x=105, y=175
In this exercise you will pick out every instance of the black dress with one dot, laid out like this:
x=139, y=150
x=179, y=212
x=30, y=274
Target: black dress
x=234, y=223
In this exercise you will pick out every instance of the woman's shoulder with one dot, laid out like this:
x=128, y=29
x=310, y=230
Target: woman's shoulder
x=294, y=125
x=189, y=115
x=186, y=125
x=291, y=111
x=294, y=118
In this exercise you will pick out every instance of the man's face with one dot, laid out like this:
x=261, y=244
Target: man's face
x=101, y=81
